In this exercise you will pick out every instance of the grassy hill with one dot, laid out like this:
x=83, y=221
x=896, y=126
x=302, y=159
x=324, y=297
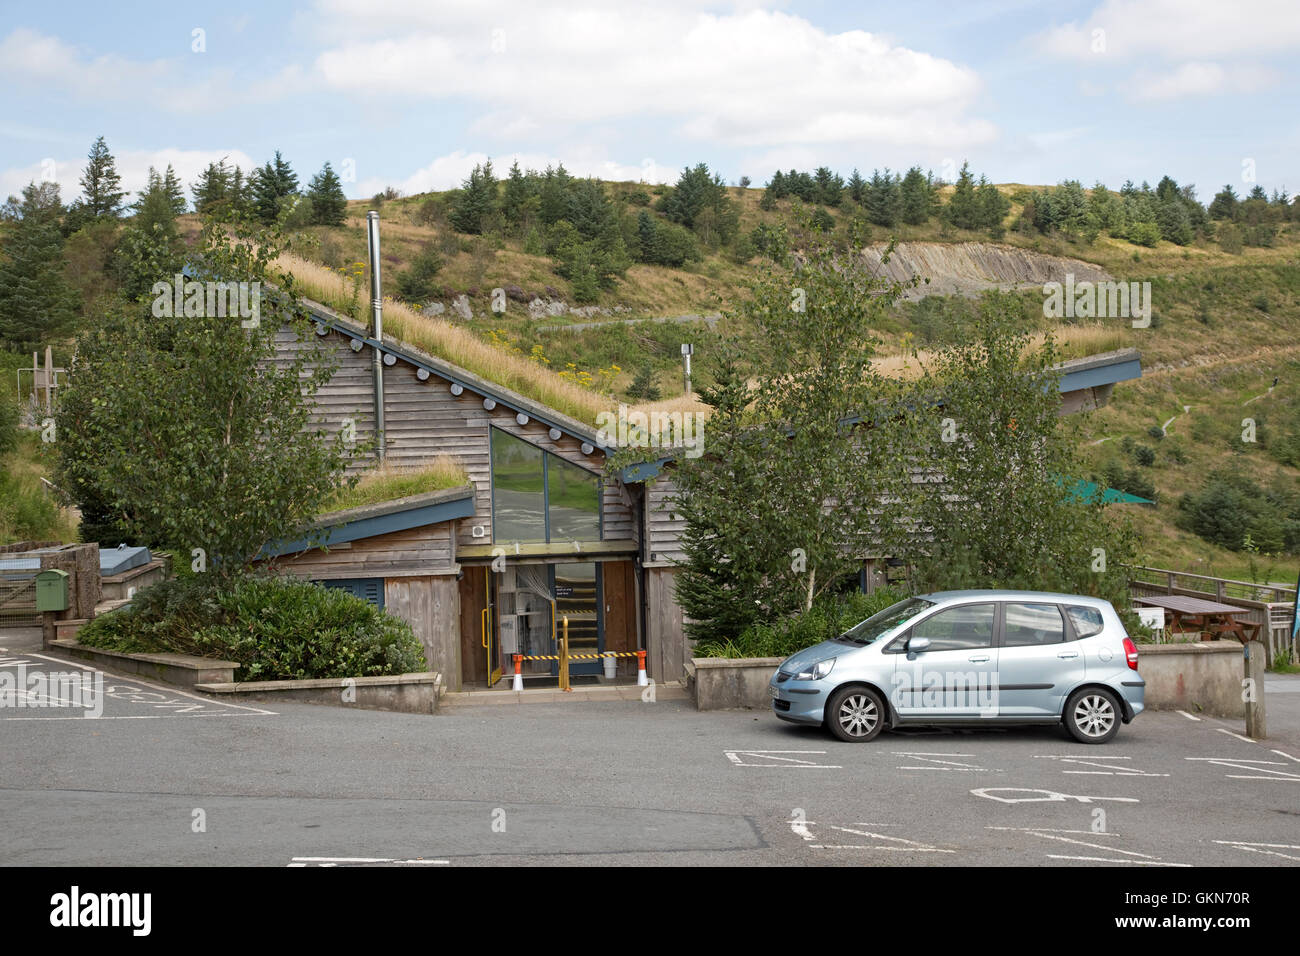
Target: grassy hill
x=1225, y=325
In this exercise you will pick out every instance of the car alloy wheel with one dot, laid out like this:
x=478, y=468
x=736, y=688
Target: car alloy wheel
x=1093, y=716
x=857, y=714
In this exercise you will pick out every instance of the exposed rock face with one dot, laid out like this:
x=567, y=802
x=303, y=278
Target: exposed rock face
x=460, y=305
x=968, y=268
x=435, y=308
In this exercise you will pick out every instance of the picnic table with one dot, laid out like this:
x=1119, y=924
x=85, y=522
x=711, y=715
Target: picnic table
x=1196, y=615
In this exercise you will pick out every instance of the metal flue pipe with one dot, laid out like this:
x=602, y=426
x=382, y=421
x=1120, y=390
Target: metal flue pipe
x=377, y=326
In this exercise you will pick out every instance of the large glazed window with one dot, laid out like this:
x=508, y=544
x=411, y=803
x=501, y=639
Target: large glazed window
x=518, y=489
x=539, y=497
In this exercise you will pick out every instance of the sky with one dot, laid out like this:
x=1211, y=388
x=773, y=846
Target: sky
x=413, y=94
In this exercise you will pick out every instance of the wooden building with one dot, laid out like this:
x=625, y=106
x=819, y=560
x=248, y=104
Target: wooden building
x=540, y=532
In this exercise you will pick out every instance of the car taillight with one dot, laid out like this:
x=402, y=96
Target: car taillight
x=1131, y=652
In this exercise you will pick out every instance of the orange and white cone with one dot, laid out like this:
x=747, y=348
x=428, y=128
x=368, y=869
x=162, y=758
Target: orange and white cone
x=519, y=673
x=641, y=680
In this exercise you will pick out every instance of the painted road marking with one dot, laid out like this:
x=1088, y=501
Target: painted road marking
x=935, y=763
x=177, y=702
x=1257, y=767
x=1283, y=753
x=360, y=861
x=1269, y=849
x=1107, y=765
x=1051, y=796
x=1132, y=857
x=778, y=760
x=1223, y=730
x=884, y=842
x=1189, y=716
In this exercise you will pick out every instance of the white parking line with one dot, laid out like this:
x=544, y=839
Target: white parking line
x=336, y=860
x=1256, y=767
x=780, y=761
x=1224, y=730
x=1269, y=849
x=1132, y=857
x=1189, y=716
x=936, y=763
x=1107, y=765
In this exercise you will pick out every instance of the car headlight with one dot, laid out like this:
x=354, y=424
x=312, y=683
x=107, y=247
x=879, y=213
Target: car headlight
x=817, y=671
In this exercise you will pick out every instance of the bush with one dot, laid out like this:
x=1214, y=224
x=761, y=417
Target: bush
x=828, y=617
x=277, y=628
x=416, y=284
x=1145, y=455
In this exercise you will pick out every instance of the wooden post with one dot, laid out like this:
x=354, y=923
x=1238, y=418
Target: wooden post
x=1253, y=690
x=564, y=658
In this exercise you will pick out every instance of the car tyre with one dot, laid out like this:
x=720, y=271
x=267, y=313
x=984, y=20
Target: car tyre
x=1092, y=715
x=855, y=714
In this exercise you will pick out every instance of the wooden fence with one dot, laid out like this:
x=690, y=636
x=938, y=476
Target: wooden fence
x=1268, y=605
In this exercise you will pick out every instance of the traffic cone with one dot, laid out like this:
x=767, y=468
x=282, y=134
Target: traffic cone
x=519, y=673
x=641, y=680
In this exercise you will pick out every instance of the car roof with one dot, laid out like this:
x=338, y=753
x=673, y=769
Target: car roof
x=1051, y=597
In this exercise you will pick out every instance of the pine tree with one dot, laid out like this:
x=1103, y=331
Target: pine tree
x=37, y=304
x=963, y=209
x=857, y=187
x=519, y=189
x=884, y=199
x=100, y=183
x=175, y=194
x=212, y=187
x=329, y=205
x=917, y=196
x=476, y=201
x=270, y=185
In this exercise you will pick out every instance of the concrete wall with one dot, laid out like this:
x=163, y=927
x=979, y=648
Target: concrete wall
x=722, y=684
x=1199, y=678
x=404, y=693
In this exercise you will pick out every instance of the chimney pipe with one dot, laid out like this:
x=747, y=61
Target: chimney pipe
x=377, y=326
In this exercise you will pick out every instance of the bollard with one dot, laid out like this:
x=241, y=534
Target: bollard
x=519, y=673
x=1253, y=691
x=641, y=680
x=564, y=659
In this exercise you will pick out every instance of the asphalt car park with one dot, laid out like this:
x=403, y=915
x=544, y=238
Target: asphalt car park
x=611, y=783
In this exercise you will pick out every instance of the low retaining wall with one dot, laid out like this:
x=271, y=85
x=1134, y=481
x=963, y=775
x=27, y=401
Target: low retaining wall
x=180, y=669
x=731, y=684
x=1200, y=678
x=404, y=693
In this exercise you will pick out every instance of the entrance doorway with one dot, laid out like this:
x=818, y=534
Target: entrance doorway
x=527, y=605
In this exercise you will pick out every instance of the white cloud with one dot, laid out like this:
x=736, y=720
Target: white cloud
x=1178, y=30
x=1200, y=79
x=750, y=78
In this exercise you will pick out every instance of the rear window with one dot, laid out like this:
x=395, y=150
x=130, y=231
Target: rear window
x=1086, y=620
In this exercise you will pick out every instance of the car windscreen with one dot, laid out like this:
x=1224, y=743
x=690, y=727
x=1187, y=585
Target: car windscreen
x=884, y=621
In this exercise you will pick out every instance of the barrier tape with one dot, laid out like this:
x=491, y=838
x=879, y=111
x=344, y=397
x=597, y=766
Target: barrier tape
x=573, y=657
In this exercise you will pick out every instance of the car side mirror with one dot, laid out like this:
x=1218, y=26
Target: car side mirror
x=915, y=645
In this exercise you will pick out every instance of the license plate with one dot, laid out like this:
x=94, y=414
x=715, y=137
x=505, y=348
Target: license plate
x=775, y=693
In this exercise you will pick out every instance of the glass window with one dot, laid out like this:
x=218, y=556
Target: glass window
x=537, y=496
x=884, y=621
x=573, y=496
x=518, y=496
x=1031, y=625
x=959, y=628
x=1086, y=620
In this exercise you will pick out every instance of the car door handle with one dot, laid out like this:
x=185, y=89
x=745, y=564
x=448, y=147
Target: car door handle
x=1068, y=654
x=978, y=658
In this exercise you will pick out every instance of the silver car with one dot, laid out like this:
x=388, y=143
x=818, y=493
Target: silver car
x=969, y=658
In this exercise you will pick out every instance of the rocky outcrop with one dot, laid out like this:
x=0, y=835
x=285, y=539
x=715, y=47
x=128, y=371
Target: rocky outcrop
x=968, y=268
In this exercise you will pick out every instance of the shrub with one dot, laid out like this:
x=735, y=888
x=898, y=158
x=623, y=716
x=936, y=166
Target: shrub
x=416, y=284
x=828, y=617
x=277, y=628
x=1145, y=455
x=1156, y=432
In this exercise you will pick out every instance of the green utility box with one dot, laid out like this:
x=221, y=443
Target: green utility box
x=52, y=590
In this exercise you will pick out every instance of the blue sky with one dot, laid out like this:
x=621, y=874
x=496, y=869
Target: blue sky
x=411, y=94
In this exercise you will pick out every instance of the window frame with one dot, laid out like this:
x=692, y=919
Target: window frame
x=546, y=487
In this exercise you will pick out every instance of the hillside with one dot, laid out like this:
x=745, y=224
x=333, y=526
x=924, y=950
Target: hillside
x=1224, y=326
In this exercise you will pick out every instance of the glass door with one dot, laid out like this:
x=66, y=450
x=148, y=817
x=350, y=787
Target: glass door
x=577, y=597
